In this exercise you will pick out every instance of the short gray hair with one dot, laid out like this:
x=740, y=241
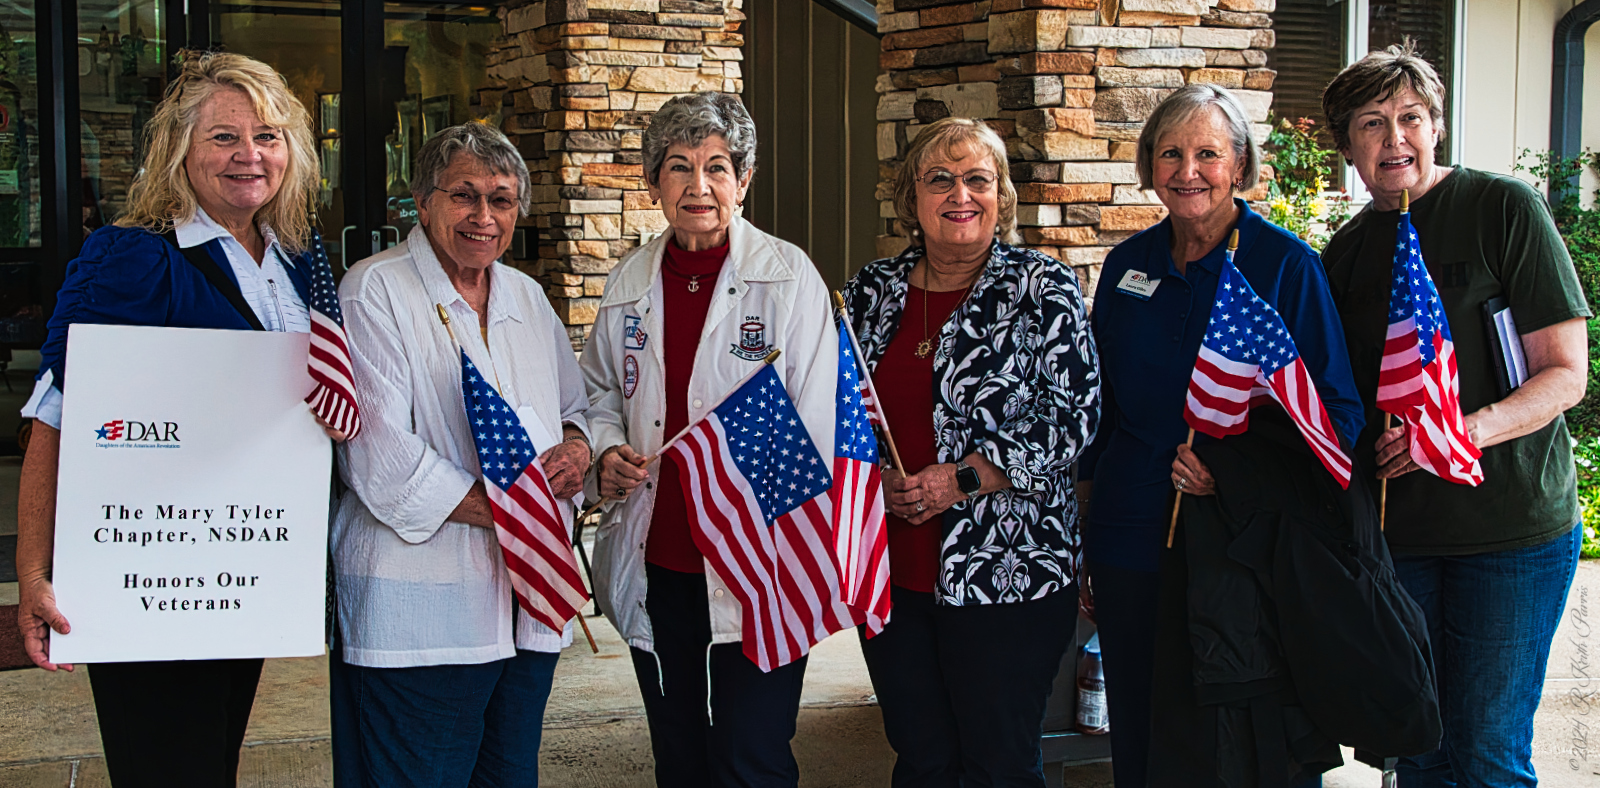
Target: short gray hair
x=479, y=140
x=1181, y=107
x=689, y=119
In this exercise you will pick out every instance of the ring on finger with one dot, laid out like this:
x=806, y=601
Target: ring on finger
x=919, y=506
x=1182, y=482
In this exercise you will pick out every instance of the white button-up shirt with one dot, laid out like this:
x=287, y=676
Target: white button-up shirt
x=413, y=588
x=266, y=289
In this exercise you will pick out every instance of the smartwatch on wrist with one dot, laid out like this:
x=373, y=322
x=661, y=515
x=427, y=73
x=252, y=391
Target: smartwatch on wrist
x=967, y=478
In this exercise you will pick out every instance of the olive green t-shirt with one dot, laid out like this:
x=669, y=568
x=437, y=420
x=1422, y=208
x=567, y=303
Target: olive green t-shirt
x=1483, y=235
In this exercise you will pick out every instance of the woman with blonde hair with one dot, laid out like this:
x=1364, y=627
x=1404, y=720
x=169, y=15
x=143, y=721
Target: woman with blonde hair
x=987, y=375
x=216, y=235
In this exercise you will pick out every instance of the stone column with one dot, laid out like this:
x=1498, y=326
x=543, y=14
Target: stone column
x=582, y=79
x=1068, y=85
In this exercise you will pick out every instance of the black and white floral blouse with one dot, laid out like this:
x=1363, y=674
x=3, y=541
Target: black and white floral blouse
x=1017, y=379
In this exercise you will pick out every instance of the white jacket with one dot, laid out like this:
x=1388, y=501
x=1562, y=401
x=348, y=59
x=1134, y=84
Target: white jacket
x=768, y=295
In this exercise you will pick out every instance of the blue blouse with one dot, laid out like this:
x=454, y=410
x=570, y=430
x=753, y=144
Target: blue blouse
x=129, y=276
x=1147, y=353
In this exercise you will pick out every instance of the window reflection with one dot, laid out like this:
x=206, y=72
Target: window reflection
x=121, y=76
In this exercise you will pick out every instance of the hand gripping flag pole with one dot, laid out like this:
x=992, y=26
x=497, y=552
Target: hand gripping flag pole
x=765, y=362
x=1172, y=527
x=535, y=543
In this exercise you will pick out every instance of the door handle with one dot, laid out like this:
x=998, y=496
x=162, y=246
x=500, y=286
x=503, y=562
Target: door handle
x=344, y=246
x=396, y=234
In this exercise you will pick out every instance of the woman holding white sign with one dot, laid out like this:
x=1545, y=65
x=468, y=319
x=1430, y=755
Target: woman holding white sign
x=440, y=677
x=217, y=235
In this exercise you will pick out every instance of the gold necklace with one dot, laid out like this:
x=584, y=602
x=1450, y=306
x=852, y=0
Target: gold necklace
x=925, y=347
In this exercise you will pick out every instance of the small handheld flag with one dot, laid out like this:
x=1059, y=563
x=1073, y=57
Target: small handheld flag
x=333, y=399
x=1248, y=352
x=755, y=485
x=860, y=536
x=1418, y=381
x=527, y=520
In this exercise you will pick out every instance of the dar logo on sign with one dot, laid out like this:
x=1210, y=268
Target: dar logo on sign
x=130, y=434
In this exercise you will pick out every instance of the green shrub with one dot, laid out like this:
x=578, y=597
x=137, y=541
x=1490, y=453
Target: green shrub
x=1302, y=169
x=1580, y=228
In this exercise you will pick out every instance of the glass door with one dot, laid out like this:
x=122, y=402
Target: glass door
x=434, y=63
x=303, y=40
x=379, y=79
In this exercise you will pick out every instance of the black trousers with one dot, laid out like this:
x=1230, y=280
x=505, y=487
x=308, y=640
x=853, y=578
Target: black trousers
x=963, y=689
x=174, y=724
x=1125, y=605
x=743, y=742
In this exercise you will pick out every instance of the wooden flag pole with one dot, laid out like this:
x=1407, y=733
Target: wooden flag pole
x=1383, y=488
x=861, y=365
x=1172, y=527
x=444, y=317
x=1388, y=418
x=771, y=357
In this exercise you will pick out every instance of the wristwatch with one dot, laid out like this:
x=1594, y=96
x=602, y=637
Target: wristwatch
x=967, y=478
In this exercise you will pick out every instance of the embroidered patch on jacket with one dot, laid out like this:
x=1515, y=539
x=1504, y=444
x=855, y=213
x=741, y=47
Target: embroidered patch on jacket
x=633, y=335
x=752, y=339
x=630, y=375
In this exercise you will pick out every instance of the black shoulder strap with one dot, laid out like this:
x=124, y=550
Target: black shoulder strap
x=197, y=257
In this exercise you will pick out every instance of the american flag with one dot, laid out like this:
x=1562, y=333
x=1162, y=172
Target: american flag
x=1417, y=381
x=755, y=482
x=1248, y=352
x=527, y=520
x=860, y=539
x=334, y=398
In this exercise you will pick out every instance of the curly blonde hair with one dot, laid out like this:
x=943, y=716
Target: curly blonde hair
x=161, y=195
x=951, y=138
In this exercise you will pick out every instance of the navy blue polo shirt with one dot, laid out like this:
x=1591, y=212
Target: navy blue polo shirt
x=1147, y=350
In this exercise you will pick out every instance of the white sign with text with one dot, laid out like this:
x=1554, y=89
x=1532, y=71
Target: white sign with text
x=192, y=509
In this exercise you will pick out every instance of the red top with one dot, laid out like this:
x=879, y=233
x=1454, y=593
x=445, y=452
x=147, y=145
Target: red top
x=682, y=319
x=905, y=386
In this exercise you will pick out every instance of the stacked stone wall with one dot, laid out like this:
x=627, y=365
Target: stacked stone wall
x=577, y=83
x=1068, y=85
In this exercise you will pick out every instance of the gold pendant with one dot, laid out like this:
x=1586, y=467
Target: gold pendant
x=923, y=348
x=694, y=284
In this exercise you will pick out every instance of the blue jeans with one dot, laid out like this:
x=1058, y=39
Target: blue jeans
x=440, y=725
x=1491, y=618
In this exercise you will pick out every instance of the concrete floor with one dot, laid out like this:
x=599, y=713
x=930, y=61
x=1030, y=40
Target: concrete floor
x=596, y=736
x=595, y=732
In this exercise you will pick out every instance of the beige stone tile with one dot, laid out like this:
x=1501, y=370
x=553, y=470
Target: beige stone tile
x=57, y=774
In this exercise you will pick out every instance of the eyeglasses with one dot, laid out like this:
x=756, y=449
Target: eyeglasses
x=940, y=181
x=498, y=203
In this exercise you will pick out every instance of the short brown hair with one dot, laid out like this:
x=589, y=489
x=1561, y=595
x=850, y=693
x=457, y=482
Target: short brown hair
x=1377, y=77
x=943, y=137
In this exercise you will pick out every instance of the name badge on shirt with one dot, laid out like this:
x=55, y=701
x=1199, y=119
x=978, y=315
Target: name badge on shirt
x=1138, y=285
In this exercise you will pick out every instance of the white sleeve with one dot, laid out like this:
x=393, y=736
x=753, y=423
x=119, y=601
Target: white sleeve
x=569, y=381
x=45, y=404
x=408, y=485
